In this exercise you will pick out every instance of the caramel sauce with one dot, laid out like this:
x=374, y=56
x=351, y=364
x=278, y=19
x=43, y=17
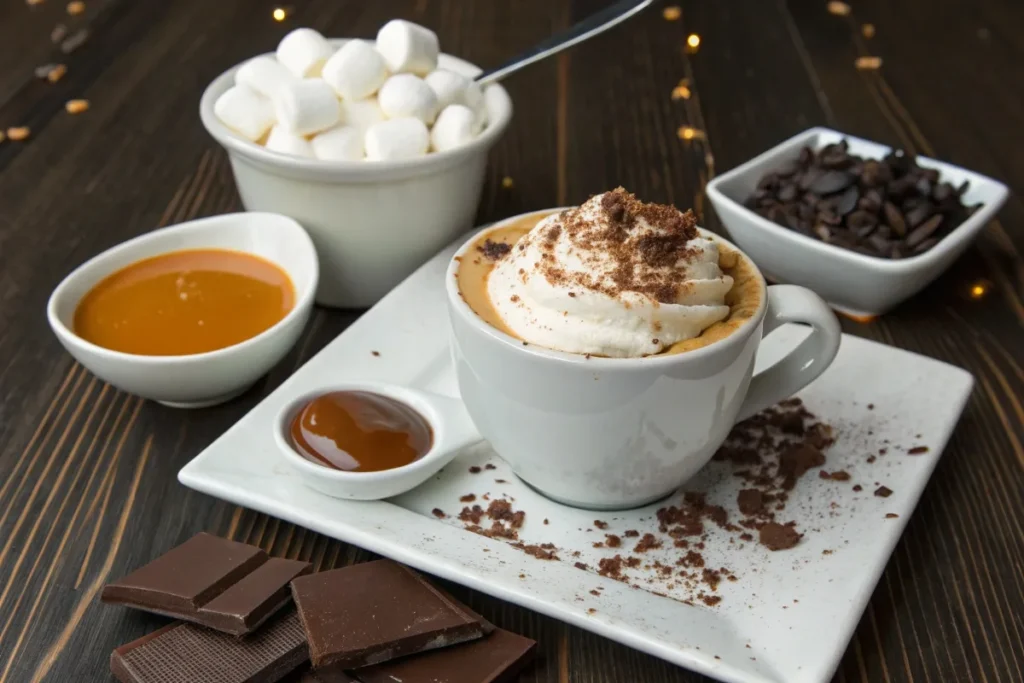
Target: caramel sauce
x=743, y=299
x=359, y=431
x=185, y=302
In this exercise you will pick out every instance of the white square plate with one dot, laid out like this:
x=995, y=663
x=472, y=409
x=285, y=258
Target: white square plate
x=790, y=614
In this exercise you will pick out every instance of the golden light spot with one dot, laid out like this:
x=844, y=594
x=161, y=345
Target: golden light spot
x=280, y=14
x=507, y=183
x=979, y=289
x=690, y=133
x=672, y=13
x=682, y=91
x=692, y=42
x=76, y=106
x=868, y=63
x=840, y=9
x=76, y=7
x=18, y=133
x=868, y=30
x=56, y=73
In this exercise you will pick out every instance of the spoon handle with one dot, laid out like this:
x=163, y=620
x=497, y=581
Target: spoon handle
x=596, y=23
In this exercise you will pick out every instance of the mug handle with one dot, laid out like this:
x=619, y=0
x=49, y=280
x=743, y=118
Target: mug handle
x=802, y=365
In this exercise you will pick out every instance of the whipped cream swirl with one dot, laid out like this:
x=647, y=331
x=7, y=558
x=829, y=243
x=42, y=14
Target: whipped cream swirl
x=614, y=277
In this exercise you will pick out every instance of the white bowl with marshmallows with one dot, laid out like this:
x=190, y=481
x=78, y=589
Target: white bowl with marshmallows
x=378, y=149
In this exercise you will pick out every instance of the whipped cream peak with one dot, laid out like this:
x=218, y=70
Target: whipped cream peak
x=614, y=277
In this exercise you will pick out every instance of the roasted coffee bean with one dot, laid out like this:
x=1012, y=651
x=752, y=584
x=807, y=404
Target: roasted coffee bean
x=787, y=193
x=924, y=231
x=943, y=192
x=862, y=223
x=894, y=219
x=926, y=245
x=809, y=177
x=889, y=207
x=920, y=213
x=831, y=181
x=848, y=200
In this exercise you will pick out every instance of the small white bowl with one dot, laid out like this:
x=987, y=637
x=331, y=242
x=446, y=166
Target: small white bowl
x=859, y=285
x=373, y=223
x=452, y=430
x=201, y=379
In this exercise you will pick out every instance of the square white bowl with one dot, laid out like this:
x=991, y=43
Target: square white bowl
x=854, y=283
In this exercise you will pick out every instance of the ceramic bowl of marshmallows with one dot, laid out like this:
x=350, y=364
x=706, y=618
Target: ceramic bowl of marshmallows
x=377, y=147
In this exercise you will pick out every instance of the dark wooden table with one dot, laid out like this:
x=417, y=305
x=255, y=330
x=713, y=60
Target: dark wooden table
x=87, y=473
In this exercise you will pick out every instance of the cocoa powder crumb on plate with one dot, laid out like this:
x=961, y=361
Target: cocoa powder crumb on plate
x=474, y=470
x=600, y=525
x=612, y=541
x=489, y=466
x=891, y=515
x=580, y=565
x=375, y=353
x=917, y=450
x=858, y=487
x=439, y=513
x=883, y=492
x=775, y=536
x=631, y=533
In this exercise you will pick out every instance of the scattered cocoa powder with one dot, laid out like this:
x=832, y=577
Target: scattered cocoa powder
x=883, y=492
x=468, y=498
x=439, y=513
x=474, y=470
x=489, y=466
x=648, y=542
x=612, y=541
x=494, y=251
x=917, y=450
x=631, y=533
x=775, y=536
x=891, y=515
x=600, y=525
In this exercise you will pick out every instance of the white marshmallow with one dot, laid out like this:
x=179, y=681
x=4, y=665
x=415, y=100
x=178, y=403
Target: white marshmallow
x=245, y=111
x=343, y=143
x=406, y=95
x=307, y=106
x=265, y=75
x=283, y=140
x=303, y=52
x=449, y=87
x=408, y=48
x=356, y=71
x=397, y=139
x=455, y=126
x=475, y=99
x=361, y=114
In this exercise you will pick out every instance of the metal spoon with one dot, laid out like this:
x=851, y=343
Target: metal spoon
x=596, y=23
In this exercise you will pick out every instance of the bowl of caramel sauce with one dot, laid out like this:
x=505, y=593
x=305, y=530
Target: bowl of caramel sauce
x=193, y=314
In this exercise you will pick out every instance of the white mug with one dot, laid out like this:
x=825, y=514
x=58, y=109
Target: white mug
x=615, y=433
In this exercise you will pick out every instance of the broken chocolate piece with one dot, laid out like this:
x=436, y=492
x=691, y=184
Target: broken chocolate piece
x=497, y=658
x=222, y=584
x=377, y=611
x=184, y=653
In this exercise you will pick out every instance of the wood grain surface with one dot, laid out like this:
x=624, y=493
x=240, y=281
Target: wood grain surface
x=87, y=473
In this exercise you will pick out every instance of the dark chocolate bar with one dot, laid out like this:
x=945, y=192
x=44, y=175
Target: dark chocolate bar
x=373, y=612
x=185, y=653
x=228, y=586
x=498, y=658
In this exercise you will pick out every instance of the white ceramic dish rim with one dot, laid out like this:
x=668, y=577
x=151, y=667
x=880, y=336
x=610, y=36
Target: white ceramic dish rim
x=356, y=169
x=303, y=301
x=906, y=265
x=737, y=338
x=440, y=448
